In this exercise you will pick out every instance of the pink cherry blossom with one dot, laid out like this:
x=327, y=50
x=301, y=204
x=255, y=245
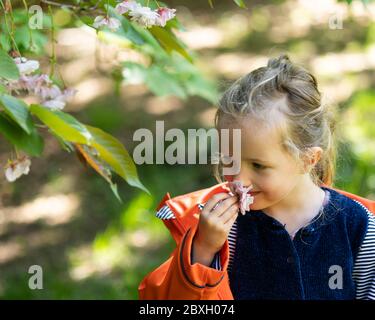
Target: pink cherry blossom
x=26, y=66
x=57, y=99
x=126, y=6
x=49, y=92
x=165, y=14
x=16, y=168
x=111, y=23
x=144, y=16
x=245, y=198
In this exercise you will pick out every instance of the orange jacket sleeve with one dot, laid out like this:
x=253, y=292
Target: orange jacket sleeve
x=178, y=279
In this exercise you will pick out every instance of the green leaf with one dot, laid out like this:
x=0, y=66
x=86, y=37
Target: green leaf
x=151, y=46
x=110, y=149
x=8, y=68
x=115, y=192
x=18, y=111
x=62, y=124
x=197, y=85
x=175, y=24
x=192, y=79
x=130, y=33
x=114, y=154
x=98, y=165
x=5, y=42
x=22, y=37
x=210, y=2
x=32, y=144
x=3, y=89
x=65, y=145
x=240, y=3
x=161, y=83
x=134, y=73
x=169, y=41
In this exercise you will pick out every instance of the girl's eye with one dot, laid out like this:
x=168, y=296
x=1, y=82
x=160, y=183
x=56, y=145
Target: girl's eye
x=259, y=166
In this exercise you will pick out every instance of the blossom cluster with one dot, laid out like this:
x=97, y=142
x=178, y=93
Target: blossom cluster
x=40, y=85
x=16, y=168
x=144, y=16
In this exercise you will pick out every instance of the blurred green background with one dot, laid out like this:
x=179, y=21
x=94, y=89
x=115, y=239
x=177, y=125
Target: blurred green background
x=64, y=217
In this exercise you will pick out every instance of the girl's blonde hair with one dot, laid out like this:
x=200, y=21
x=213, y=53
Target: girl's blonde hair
x=308, y=122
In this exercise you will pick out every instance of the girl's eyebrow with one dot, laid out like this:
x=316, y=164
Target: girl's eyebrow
x=257, y=160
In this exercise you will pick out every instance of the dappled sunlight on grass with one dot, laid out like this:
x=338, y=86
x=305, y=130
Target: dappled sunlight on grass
x=123, y=245
x=163, y=105
x=340, y=63
x=52, y=210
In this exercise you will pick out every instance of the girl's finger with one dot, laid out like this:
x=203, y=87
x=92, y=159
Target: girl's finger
x=231, y=219
x=214, y=200
x=227, y=214
x=223, y=206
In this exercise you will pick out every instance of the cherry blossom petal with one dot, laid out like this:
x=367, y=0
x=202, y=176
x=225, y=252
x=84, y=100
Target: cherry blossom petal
x=111, y=23
x=15, y=169
x=144, y=16
x=245, y=199
x=26, y=66
x=114, y=24
x=165, y=14
x=54, y=104
x=126, y=6
x=99, y=21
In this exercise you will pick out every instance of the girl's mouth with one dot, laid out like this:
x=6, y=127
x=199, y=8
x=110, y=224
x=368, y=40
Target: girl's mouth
x=254, y=193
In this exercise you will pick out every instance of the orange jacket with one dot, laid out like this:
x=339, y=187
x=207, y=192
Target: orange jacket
x=177, y=278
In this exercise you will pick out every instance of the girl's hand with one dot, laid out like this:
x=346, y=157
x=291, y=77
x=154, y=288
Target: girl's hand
x=215, y=223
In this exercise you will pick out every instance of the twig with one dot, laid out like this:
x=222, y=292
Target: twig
x=61, y=5
x=71, y=6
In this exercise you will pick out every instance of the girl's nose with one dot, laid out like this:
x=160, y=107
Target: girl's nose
x=246, y=181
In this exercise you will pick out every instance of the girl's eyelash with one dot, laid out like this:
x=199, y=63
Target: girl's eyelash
x=260, y=166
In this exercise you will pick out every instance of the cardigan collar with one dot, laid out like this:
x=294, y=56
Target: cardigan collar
x=325, y=216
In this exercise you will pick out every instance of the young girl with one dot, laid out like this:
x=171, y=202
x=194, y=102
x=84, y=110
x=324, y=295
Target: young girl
x=301, y=238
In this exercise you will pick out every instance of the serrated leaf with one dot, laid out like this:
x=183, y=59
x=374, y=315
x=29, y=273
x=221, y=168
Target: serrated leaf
x=91, y=161
x=134, y=73
x=8, y=68
x=62, y=124
x=116, y=156
x=18, y=111
x=3, y=89
x=65, y=145
x=169, y=41
x=115, y=192
x=32, y=143
x=240, y=3
x=197, y=85
x=161, y=83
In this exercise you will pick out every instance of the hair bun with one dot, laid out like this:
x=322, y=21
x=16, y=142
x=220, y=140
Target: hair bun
x=279, y=62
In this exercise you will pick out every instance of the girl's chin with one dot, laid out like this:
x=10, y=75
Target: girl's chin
x=256, y=204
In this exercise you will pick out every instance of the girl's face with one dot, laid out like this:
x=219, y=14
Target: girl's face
x=273, y=173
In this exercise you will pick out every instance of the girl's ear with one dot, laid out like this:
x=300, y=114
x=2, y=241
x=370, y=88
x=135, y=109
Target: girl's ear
x=311, y=158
